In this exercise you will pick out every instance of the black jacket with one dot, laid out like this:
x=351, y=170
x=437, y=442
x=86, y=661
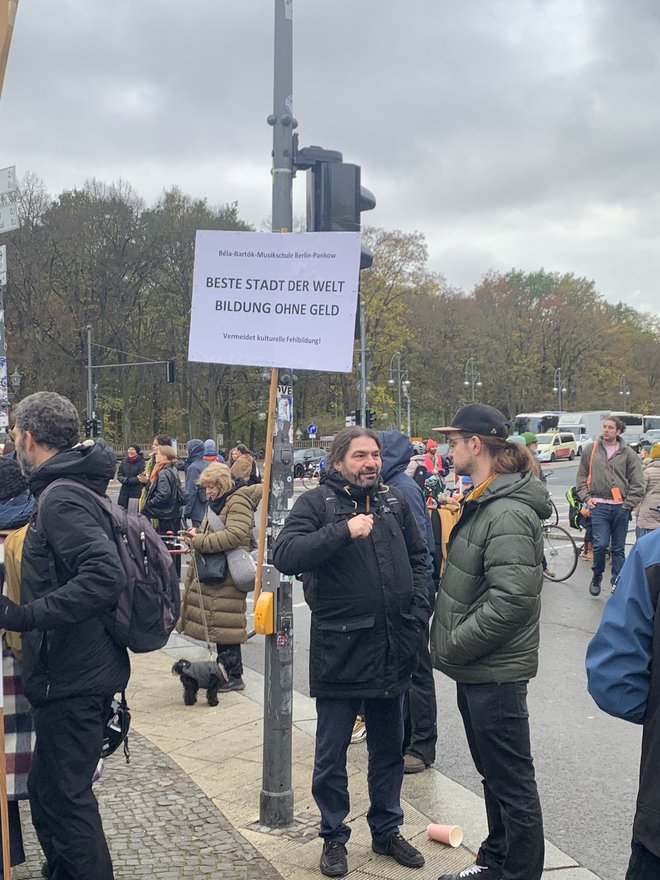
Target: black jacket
x=71, y=574
x=163, y=495
x=368, y=597
x=131, y=487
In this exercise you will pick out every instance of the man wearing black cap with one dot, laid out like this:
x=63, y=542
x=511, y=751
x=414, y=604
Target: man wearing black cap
x=485, y=633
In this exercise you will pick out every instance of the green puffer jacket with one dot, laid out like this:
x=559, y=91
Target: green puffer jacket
x=224, y=606
x=486, y=622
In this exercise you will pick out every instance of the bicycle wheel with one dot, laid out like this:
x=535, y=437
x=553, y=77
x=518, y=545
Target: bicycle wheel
x=560, y=553
x=553, y=519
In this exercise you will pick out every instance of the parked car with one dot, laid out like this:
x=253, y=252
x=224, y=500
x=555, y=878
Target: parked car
x=556, y=446
x=633, y=439
x=304, y=459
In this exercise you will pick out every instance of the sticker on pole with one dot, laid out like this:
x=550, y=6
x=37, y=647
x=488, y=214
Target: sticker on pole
x=266, y=299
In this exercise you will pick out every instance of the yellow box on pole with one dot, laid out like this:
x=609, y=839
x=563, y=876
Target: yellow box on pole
x=264, y=614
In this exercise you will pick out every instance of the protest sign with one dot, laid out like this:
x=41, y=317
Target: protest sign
x=272, y=299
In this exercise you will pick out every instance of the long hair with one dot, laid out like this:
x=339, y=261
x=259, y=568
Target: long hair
x=345, y=437
x=508, y=458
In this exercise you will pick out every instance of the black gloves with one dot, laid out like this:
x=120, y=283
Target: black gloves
x=15, y=618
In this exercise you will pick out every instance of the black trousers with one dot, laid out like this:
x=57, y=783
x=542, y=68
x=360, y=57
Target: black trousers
x=497, y=729
x=334, y=725
x=643, y=864
x=420, y=710
x=232, y=659
x=65, y=814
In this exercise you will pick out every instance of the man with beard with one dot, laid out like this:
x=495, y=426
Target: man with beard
x=71, y=576
x=366, y=582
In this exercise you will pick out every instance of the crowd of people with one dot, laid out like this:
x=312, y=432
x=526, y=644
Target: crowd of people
x=449, y=586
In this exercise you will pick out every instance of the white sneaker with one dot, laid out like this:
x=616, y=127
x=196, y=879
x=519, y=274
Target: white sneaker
x=359, y=730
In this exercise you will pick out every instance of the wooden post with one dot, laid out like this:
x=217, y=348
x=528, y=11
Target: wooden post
x=263, y=520
x=7, y=18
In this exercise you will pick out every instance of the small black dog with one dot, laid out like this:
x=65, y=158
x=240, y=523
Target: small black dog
x=196, y=674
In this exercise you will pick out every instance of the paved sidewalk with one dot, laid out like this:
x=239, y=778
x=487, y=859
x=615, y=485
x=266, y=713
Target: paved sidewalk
x=187, y=806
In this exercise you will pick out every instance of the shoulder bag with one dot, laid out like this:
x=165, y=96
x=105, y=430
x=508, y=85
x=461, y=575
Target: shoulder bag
x=242, y=565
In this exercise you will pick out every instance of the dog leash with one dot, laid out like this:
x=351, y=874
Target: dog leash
x=193, y=559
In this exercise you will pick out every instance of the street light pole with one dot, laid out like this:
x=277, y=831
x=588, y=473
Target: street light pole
x=624, y=392
x=559, y=388
x=472, y=377
x=402, y=383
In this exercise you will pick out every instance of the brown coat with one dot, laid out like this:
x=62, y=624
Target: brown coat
x=224, y=605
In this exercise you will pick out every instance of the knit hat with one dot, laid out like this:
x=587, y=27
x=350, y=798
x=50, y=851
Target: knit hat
x=209, y=448
x=431, y=444
x=242, y=467
x=135, y=447
x=529, y=438
x=654, y=453
x=12, y=481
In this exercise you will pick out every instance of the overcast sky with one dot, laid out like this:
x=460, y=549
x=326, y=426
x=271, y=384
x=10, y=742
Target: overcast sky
x=518, y=133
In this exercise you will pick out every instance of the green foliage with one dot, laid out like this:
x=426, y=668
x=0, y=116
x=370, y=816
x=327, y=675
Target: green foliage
x=98, y=256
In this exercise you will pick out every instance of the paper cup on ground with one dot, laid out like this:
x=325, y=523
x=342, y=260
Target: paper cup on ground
x=452, y=835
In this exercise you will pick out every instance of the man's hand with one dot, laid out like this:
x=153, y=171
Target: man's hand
x=591, y=503
x=360, y=526
x=15, y=618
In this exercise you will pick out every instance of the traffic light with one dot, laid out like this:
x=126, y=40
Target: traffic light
x=370, y=418
x=357, y=416
x=171, y=371
x=335, y=195
x=89, y=427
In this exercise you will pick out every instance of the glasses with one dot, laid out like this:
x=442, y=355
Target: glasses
x=452, y=443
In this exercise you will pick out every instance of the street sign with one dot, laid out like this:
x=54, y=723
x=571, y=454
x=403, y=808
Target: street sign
x=9, y=217
x=311, y=430
x=7, y=180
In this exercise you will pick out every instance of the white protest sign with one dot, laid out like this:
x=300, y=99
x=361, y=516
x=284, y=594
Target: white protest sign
x=268, y=299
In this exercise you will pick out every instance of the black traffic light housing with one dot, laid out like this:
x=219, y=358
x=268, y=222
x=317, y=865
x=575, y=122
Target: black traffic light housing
x=171, y=371
x=370, y=418
x=335, y=195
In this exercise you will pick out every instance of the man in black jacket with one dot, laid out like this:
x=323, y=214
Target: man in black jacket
x=71, y=576
x=366, y=582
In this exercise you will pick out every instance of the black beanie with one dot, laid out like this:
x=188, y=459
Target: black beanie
x=12, y=481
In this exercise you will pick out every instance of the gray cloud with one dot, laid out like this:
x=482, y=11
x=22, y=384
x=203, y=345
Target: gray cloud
x=511, y=132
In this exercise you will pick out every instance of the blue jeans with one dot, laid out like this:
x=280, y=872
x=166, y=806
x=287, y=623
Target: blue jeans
x=384, y=721
x=497, y=729
x=610, y=525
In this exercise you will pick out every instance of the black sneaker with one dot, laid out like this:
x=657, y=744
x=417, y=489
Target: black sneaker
x=472, y=873
x=400, y=850
x=333, y=859
x=235, y=683
x=594, y=586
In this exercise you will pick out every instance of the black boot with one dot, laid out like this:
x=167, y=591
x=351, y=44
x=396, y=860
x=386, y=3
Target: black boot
x=594, y=586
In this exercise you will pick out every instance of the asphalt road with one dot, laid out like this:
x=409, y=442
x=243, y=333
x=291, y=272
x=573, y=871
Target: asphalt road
x=586, y=762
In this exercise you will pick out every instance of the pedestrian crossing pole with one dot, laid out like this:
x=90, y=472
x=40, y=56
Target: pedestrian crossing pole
x=276, y=798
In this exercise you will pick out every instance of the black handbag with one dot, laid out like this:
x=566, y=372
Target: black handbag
x=211, y=567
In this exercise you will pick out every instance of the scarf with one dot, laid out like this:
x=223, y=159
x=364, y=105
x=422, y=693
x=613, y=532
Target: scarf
x=157, y=469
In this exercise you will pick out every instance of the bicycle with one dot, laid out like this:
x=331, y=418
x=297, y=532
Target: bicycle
x=553, y=519
x=560, y=553
x=310, y=479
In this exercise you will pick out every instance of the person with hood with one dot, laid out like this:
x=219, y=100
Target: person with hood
x=211, y=453
x=127, y=474
x=365, y=577
x=16, y=506
x=71, y=578
x=196, y=463
x=217, y=611
x=485, y=632
x=420, y=709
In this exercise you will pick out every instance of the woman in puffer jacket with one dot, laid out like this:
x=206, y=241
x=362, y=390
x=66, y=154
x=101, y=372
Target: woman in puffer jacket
x=220, y=604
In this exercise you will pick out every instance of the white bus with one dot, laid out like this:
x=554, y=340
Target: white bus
x=536, y=422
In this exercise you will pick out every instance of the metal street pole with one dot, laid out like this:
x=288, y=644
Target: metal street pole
x=363, y=358
x=276, y=797
x=90, y=375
